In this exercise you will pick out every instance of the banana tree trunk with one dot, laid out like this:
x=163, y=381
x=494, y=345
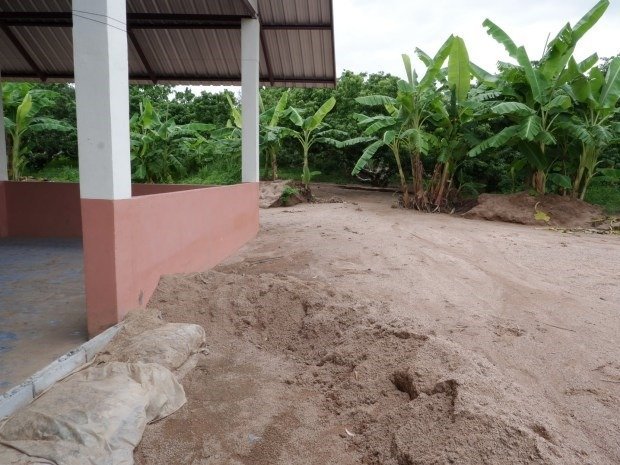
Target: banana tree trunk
x=539, y=181
x=403, y=179
x=16, y=162
x=442, y=184
x=274, y=165
x=580, y=172
x=417, y=170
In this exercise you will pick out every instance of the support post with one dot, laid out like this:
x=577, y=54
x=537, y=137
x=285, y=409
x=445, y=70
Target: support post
x=250, y=57
x=102, y=97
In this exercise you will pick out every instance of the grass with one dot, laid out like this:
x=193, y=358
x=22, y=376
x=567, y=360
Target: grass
x=57, y=173
x=606, y=194
x=294, y=173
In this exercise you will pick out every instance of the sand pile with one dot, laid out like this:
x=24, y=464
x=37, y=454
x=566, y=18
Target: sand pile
x=521, y=208
x=301, y=373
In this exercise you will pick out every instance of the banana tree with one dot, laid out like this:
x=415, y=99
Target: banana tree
x=392, y=129
x=412, y=117
x=310, y=131
x=22, y=105
x=596, y=97
x=539, y=96
x=159, y=147
x=271, y=134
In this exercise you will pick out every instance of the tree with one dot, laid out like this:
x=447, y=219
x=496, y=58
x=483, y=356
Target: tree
x=596, y=97
x=159, y=147
x=271, y=134
x=310, y=131
x=22, y=106
x=537, y=96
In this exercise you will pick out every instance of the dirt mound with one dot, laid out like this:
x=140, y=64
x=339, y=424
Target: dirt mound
x=301, y=373
x=284, y=193
x=521, y=208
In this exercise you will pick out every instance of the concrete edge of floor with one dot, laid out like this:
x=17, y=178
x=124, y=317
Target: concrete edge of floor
x=24, y=393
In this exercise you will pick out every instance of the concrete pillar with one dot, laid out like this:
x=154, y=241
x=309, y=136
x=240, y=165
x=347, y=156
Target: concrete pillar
x=250, y=56
x=102, y=97
x=4, y=165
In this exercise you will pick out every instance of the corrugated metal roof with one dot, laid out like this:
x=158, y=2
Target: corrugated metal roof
x=178, y=41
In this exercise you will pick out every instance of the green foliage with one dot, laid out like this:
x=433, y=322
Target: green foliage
x=551, y=123
x=23, y=108
x=160, y=148
x=308, y=132
x=287, y=193
x=537, y=108
x=606, y=193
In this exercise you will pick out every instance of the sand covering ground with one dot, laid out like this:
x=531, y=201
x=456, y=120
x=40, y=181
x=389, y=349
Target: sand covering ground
x=521, y=208
x=358, y=334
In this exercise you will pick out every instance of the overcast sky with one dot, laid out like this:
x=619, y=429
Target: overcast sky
x=371, y=35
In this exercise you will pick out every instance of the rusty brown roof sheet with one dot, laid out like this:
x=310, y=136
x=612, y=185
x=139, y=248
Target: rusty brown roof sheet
x=178, y=41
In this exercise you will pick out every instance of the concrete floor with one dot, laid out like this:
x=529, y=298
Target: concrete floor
x=42, y=306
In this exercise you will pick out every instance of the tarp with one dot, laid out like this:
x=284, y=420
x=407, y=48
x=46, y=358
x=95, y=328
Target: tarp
x=97, y=416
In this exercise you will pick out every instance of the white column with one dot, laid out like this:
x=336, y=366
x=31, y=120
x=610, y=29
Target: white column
x=4, y=165
x=102, y=96
x=250, y=56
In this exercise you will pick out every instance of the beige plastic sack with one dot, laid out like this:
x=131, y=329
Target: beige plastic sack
x=10, y=456
x=169, y=345
x=95, y=417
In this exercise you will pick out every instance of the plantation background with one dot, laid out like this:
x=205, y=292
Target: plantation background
x=549, y=125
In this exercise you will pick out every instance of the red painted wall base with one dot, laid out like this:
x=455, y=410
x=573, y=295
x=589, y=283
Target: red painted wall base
x=129, y=244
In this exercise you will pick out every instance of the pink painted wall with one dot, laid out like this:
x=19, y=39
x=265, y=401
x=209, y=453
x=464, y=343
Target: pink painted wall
x=53, y=209
x=129, y=244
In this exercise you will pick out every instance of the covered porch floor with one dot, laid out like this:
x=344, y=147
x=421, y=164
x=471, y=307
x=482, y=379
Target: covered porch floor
x=42, y=304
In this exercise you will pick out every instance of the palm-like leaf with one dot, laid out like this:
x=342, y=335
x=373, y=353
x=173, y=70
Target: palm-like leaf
x=313, y=122
x=495, y=141
x=500, y=36
x=376, y=100
x=367, y=155
x=590, y=19
x=512, y=108
x=611, y=91
x=428, y=81
x=459, y=77
x=534, y=77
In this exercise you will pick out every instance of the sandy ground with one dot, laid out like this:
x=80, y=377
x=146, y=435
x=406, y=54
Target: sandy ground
x=354, y=333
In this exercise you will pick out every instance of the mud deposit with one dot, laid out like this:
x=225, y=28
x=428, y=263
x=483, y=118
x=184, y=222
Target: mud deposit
x=355, y=333
x=299, y=373
x=521, y=208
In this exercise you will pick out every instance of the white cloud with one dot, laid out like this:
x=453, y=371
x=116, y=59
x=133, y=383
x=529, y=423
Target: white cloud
x=372, y=34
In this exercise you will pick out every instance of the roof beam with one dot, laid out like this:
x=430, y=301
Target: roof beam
x=152, y=21
x=177, y=78
x=24, y=53
x=143, y=59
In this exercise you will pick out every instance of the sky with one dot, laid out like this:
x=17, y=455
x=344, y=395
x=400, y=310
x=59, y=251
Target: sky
x=371, y=35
